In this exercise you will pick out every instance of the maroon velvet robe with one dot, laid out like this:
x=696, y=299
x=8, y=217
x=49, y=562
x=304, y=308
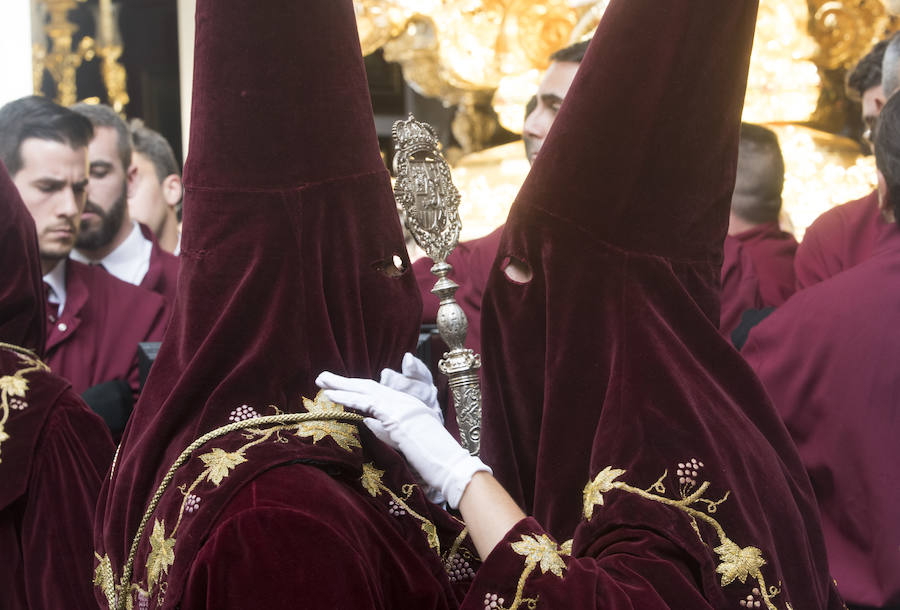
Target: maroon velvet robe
x=757, y=272
x=612, y=405
x=828, y=360
x=841, y=238
x=53, y=450
x=290, y=228
x=162, y=275
x=96, y=337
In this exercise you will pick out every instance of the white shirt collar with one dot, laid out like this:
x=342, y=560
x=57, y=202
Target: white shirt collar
x=130, y=261
x=56, y=280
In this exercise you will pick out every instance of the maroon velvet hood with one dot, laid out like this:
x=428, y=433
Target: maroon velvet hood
x=607, y=366
x=289, y=227
x=22, y=302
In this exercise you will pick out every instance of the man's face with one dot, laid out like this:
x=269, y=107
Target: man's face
x=872, y=102
x=52, y=183
x=551, y=92
x=146, y=201
x=107, y=191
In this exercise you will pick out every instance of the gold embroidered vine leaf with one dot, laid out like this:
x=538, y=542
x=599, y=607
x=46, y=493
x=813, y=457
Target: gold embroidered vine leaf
x=342, y=433
x=566, y=547
x=371, y=479
x=13, y=385
x=219, y=463
x=162, y=553
x=602, y=483
x=105, y=579
x=540, y=550
x=737, y=562
x=432, y=535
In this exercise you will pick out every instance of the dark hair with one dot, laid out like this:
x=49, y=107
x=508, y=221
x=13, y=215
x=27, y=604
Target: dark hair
x=760, y=175
x=887, y=151
x=101, y=115
x=573, y=53
x=38, y=117
x=867, y=72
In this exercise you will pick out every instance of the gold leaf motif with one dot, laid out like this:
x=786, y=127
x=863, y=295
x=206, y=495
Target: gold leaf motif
x=219, y=463
x=14, y=385
x=105, y=579
x=371, y=479
x=162, y=554
x=602, y=483
x=566, y=547
x=432, y=535
x=540, y=550
x=737, y=562
x=342, y=433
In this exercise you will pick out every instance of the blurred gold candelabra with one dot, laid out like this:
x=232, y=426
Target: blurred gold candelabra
x=61, y=61
x=485, y=58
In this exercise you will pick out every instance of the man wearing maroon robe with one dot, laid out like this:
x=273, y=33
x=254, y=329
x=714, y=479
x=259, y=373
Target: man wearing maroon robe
x=109, y=237
x=613, y=408
x=53, y=450
x=276, y=497
x=758, y=266
x=94, y=321
x=827, y=359
x=848, y=234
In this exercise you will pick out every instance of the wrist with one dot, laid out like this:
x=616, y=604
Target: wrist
x=460, y=476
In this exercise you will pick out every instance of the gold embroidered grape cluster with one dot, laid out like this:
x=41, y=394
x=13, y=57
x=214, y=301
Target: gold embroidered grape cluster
x=13, y=388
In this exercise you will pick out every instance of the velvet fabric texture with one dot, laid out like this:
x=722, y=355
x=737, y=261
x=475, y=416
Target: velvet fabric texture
x=162, y=275
x=827, y=359
x=53, y=450
x=22, y=301
x=611, y=399
x=841, y=238
x=95, y=338
x=290, y=228
x=757, y=272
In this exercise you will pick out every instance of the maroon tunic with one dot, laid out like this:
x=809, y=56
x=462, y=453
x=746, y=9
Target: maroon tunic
x=841, y=238
x=613, y=407
x=290, y=228
x=757, y=272
x=827, y=358
x=53, y=450
x=96, y=337
x=162, y=275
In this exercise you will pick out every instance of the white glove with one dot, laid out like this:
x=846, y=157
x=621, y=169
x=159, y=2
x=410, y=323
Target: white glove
x=412, y=429
x=416, y=381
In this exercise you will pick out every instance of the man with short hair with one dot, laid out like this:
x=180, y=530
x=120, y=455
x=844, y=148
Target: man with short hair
x=155, y=199
x=847, y=234
x=758, y=268
x=53, y=450
x=95, y=321
x=109, y=237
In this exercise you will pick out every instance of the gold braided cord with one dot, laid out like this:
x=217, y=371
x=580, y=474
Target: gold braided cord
x=257, y=422
x=19, y=349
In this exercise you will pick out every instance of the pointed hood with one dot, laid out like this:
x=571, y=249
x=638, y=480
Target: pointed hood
x=607, y=366
x=290, y=228
x=22, y=302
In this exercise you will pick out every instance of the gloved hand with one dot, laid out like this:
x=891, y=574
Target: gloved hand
x=412, y=429
x=415, y=380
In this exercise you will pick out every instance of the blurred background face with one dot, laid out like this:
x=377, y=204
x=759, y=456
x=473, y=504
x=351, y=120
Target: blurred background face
x=52, y=183
x=107, y=191
x=551, y=92
x=147, y=202
x=872, y=103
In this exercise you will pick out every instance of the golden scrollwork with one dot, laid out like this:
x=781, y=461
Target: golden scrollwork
x=845, y=30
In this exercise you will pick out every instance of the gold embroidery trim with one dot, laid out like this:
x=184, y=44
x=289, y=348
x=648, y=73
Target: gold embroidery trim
x=217, y=467
x=735, y=562
x=15, y=385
